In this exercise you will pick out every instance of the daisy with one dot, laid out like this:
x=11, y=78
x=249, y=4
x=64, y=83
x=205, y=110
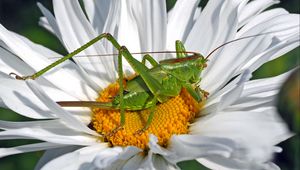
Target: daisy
x=236, y=128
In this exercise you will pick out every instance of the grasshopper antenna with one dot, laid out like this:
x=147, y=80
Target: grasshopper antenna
x=238, y=39
x=134, y=53
x=187, y=52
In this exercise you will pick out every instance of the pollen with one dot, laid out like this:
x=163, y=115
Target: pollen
x=170, y=118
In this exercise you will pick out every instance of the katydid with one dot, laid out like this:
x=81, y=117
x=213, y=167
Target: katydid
x=151, y=85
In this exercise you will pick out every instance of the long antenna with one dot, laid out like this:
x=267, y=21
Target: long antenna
x=228, y=42
x=173, y=52
x=134, y=53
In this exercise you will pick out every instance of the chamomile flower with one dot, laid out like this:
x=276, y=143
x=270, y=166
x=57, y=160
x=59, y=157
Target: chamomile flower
x=237, y=127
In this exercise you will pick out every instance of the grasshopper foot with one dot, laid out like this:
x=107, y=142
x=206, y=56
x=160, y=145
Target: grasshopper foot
x=140, y=132
x=110, y=134
x=16, y=76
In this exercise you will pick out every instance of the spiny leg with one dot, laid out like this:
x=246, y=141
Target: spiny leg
x=153, y=84
x=61, y=60
x=140, y=68
x=150, y=59
x=150, y=118
x=180, y=50
x=195, y=94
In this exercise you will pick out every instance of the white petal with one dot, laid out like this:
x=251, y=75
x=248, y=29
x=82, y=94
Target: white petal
x=112, y=26
x=44, y=124
x=258, y=94
x=51, y=154
x=204, y=28
x=17, y=96
x=233, y=95
x=116, y=158
x=65, y=116
x=180, y=21
x=8, y=125
x=261, y=18
x=255, y=133
x=80, y=159
x=227, y=61
x=261, y=85
x=44, y=23
x=134, y=162
x=252, y=103
x=276, y=22
x=60, y=135
x=147, y=163
x=10, y=63
x=188, y=147
x=249, y=51
x=53, y=131
x=152, y=22
x=97, y=12
x=226, y=95
x=216, y=24
x=76, y=31
x=128, y=31
x=218, y=162
x=245, y=127
x=143, y=27
x=155, y=147
x=272, y=53
x=197, y=13
x=2, y=104
x=160, y=163
x=50, y=20
x=253, y=8
x=61, y=78
x=27, y=148
x=212, y=165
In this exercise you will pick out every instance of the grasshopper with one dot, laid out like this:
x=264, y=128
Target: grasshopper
x=151, y=86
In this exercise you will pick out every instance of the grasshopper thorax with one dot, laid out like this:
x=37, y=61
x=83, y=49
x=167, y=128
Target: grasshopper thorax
x=186, y=69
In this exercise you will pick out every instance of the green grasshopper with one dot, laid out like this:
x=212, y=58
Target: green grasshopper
x=151, y=85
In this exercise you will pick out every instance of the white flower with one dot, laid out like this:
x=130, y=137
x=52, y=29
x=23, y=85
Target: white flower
x=240, y=128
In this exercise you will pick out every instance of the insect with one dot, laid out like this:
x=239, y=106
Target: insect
x=151, y=86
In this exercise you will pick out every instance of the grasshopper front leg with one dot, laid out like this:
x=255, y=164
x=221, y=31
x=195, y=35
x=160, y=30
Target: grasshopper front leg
x=180, y=50
x=151, y=60
x=141, y=69
x=149, y=120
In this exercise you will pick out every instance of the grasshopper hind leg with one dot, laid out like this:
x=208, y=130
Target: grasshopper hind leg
x=149, y=120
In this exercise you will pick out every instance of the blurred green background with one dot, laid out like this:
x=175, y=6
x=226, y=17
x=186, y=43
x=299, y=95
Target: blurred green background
x=22, y=17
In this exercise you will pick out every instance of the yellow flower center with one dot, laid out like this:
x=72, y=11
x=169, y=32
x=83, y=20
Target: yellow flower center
x=171, y=117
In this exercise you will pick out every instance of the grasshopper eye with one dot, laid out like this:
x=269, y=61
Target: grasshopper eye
x=125, y=92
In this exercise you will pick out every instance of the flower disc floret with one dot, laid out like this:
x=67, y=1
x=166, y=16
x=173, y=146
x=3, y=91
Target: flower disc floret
x=171, y=117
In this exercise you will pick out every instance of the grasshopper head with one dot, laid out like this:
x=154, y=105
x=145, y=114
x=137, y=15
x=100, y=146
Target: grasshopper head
x=198, y=64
